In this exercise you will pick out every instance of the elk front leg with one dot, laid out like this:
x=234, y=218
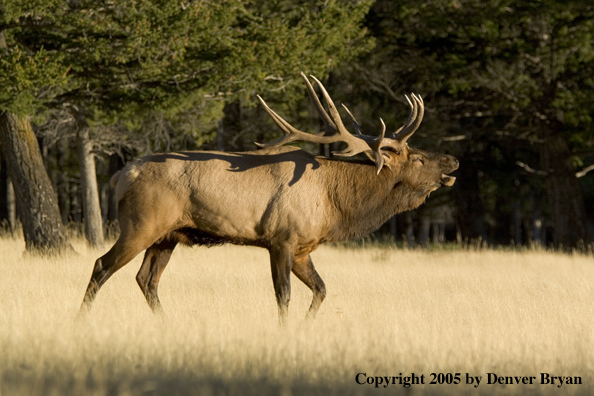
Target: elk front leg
x=281, y=261
x=304, y=269
x=153, y=265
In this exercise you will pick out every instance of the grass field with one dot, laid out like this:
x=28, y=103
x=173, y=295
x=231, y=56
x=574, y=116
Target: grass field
x=388, y=312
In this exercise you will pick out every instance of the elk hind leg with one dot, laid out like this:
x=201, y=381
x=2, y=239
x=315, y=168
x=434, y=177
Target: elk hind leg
x=304, y=269
x=155, y=260
x=121, y=253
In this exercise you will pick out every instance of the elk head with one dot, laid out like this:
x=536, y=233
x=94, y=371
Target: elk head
x=418, y=169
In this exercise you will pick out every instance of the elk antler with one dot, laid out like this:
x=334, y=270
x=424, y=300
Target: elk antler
x=335, y=129
x=354, y=121
x=417, y=109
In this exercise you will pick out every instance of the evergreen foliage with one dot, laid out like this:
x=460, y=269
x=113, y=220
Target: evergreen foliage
x=123, y=60
x=504, y=82
x=507, y=86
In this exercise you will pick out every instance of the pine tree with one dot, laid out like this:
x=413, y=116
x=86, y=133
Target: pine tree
x=109, y=62
x=512, y=81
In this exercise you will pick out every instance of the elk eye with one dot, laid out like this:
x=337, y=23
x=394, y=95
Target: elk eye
x=419, y=159
x=391, y=149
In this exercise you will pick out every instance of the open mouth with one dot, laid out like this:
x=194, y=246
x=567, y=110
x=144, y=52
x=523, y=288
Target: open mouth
x=447, y=181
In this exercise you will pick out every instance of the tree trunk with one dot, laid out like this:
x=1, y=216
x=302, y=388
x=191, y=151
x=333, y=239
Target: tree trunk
x=90, y=192
x=221, y=135
x=564, y=192
x=38, y=208
x=11, y=207
x=394, y=227
x=62, y=179
x=410, y=231
x=517, y=224
x=115, y=164
x=229, y=128
x=470, y=209
x=8, y=213
x=3, y=189
x=425, y=229
x=438, y=231
x=537, y=228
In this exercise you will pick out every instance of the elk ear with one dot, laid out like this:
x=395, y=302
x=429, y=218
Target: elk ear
x=390, y=159
x=386, y=160
x=392, y=166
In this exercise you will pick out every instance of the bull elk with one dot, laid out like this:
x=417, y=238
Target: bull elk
x=280, y=198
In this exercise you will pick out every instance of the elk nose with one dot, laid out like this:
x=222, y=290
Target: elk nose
x=451, y=162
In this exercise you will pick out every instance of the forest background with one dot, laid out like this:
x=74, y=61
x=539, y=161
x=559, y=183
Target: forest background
x=508, y=87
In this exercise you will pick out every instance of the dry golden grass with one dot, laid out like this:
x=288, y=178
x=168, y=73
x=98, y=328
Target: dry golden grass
x=387, y=312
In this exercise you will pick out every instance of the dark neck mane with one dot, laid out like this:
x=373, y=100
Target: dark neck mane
x=363, y=200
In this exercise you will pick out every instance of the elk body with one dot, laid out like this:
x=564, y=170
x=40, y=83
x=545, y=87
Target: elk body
x=279, y=198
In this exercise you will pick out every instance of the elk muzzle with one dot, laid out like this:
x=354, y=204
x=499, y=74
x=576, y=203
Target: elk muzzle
x=449, y=164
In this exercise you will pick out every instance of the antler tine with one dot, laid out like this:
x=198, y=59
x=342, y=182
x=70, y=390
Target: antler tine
x=414, y=119
x=291, y=133
x=354, y=121
x=411, y=115
x=356, y=144
x=330, y=126
x=334, y=115
x=377, y=146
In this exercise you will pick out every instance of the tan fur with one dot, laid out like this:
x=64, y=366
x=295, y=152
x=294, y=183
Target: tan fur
x=280, y=198
x=114, y=179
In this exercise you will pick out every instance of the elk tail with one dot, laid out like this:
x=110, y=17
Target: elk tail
x=113, y=182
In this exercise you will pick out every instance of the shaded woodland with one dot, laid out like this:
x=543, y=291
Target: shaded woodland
x=86, y=87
